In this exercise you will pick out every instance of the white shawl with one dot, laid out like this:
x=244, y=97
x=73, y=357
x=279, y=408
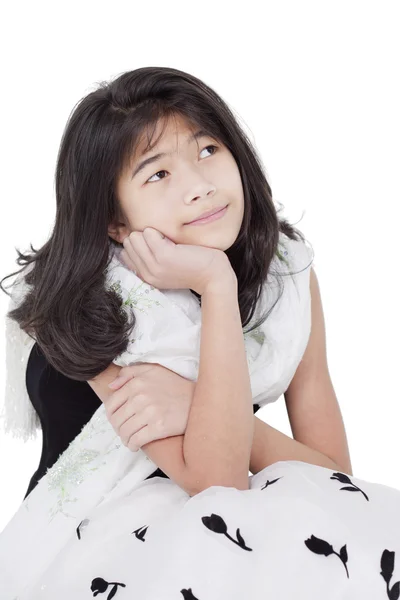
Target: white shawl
x=167, y=331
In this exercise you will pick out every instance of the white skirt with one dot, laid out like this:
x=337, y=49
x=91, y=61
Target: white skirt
x=300, y=532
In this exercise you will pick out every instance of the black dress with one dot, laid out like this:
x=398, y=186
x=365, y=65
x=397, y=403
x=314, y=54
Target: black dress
x=64, y=406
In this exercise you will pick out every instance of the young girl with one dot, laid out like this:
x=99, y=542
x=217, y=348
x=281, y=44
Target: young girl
x=205, y=319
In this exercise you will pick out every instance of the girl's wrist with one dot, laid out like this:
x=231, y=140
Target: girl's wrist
x=223, y=281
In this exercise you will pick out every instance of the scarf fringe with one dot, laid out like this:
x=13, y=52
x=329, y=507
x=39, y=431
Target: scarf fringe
x=18, y=416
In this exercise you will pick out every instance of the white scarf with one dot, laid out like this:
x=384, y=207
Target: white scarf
x=97, y=468
x=167, y=331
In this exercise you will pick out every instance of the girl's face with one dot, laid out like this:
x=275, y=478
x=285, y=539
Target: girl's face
x=169, y=191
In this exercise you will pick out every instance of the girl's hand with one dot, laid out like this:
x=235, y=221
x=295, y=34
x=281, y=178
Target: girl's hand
x=150, y=403
x=160, y=262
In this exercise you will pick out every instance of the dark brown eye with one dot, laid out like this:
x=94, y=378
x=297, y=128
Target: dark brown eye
x=213, y=146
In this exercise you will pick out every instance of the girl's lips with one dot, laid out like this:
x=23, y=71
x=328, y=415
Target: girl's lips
x=213, y=217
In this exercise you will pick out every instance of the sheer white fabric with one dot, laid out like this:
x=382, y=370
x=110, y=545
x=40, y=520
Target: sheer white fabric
x=97, y=472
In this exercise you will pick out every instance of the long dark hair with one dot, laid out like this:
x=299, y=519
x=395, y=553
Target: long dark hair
x=79, y=324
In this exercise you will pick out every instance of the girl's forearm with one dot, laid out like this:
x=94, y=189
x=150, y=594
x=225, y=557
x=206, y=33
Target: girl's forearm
x=270, y=446
x=219, y=434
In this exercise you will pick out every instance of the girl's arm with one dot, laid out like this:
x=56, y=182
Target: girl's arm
x=268, y=444
x=216, y=446
x=166, y=453
x=268, y=447
x=219, y=433
x=271, y=446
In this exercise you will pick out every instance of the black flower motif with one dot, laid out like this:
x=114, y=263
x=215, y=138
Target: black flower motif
x=270, y=482
x=322, y=547
x=216, y=524
x=99, y=586
x=188, y=595
x=140, y=534
x=387, y=568
x=82, y=526
x=345, y=479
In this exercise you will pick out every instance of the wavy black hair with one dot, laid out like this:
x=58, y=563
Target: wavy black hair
x=79, y=324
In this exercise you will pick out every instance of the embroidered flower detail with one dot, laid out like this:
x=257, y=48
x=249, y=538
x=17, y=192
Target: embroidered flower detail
x=71, y=469
x=251, y=351
x=258, y=335
x=136, y=297
x=77, y=463
x=282, y=255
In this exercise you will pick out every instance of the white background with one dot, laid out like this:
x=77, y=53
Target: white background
x=315, y=84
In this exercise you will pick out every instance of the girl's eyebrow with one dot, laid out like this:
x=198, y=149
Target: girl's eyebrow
x=147, y=161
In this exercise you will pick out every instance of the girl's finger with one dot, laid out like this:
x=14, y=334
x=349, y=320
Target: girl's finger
x=119, y=381
x=133, y=255
x=127, y=373
x=120, y=396
x=114, y=403
x=128, y=419
x=139, y=439
x=127, y=260
x=149, y=239
x=143, y=251
x=143, y=437
x=156, y=240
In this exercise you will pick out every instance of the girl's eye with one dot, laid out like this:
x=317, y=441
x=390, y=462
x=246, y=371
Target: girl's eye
x=215, y=148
